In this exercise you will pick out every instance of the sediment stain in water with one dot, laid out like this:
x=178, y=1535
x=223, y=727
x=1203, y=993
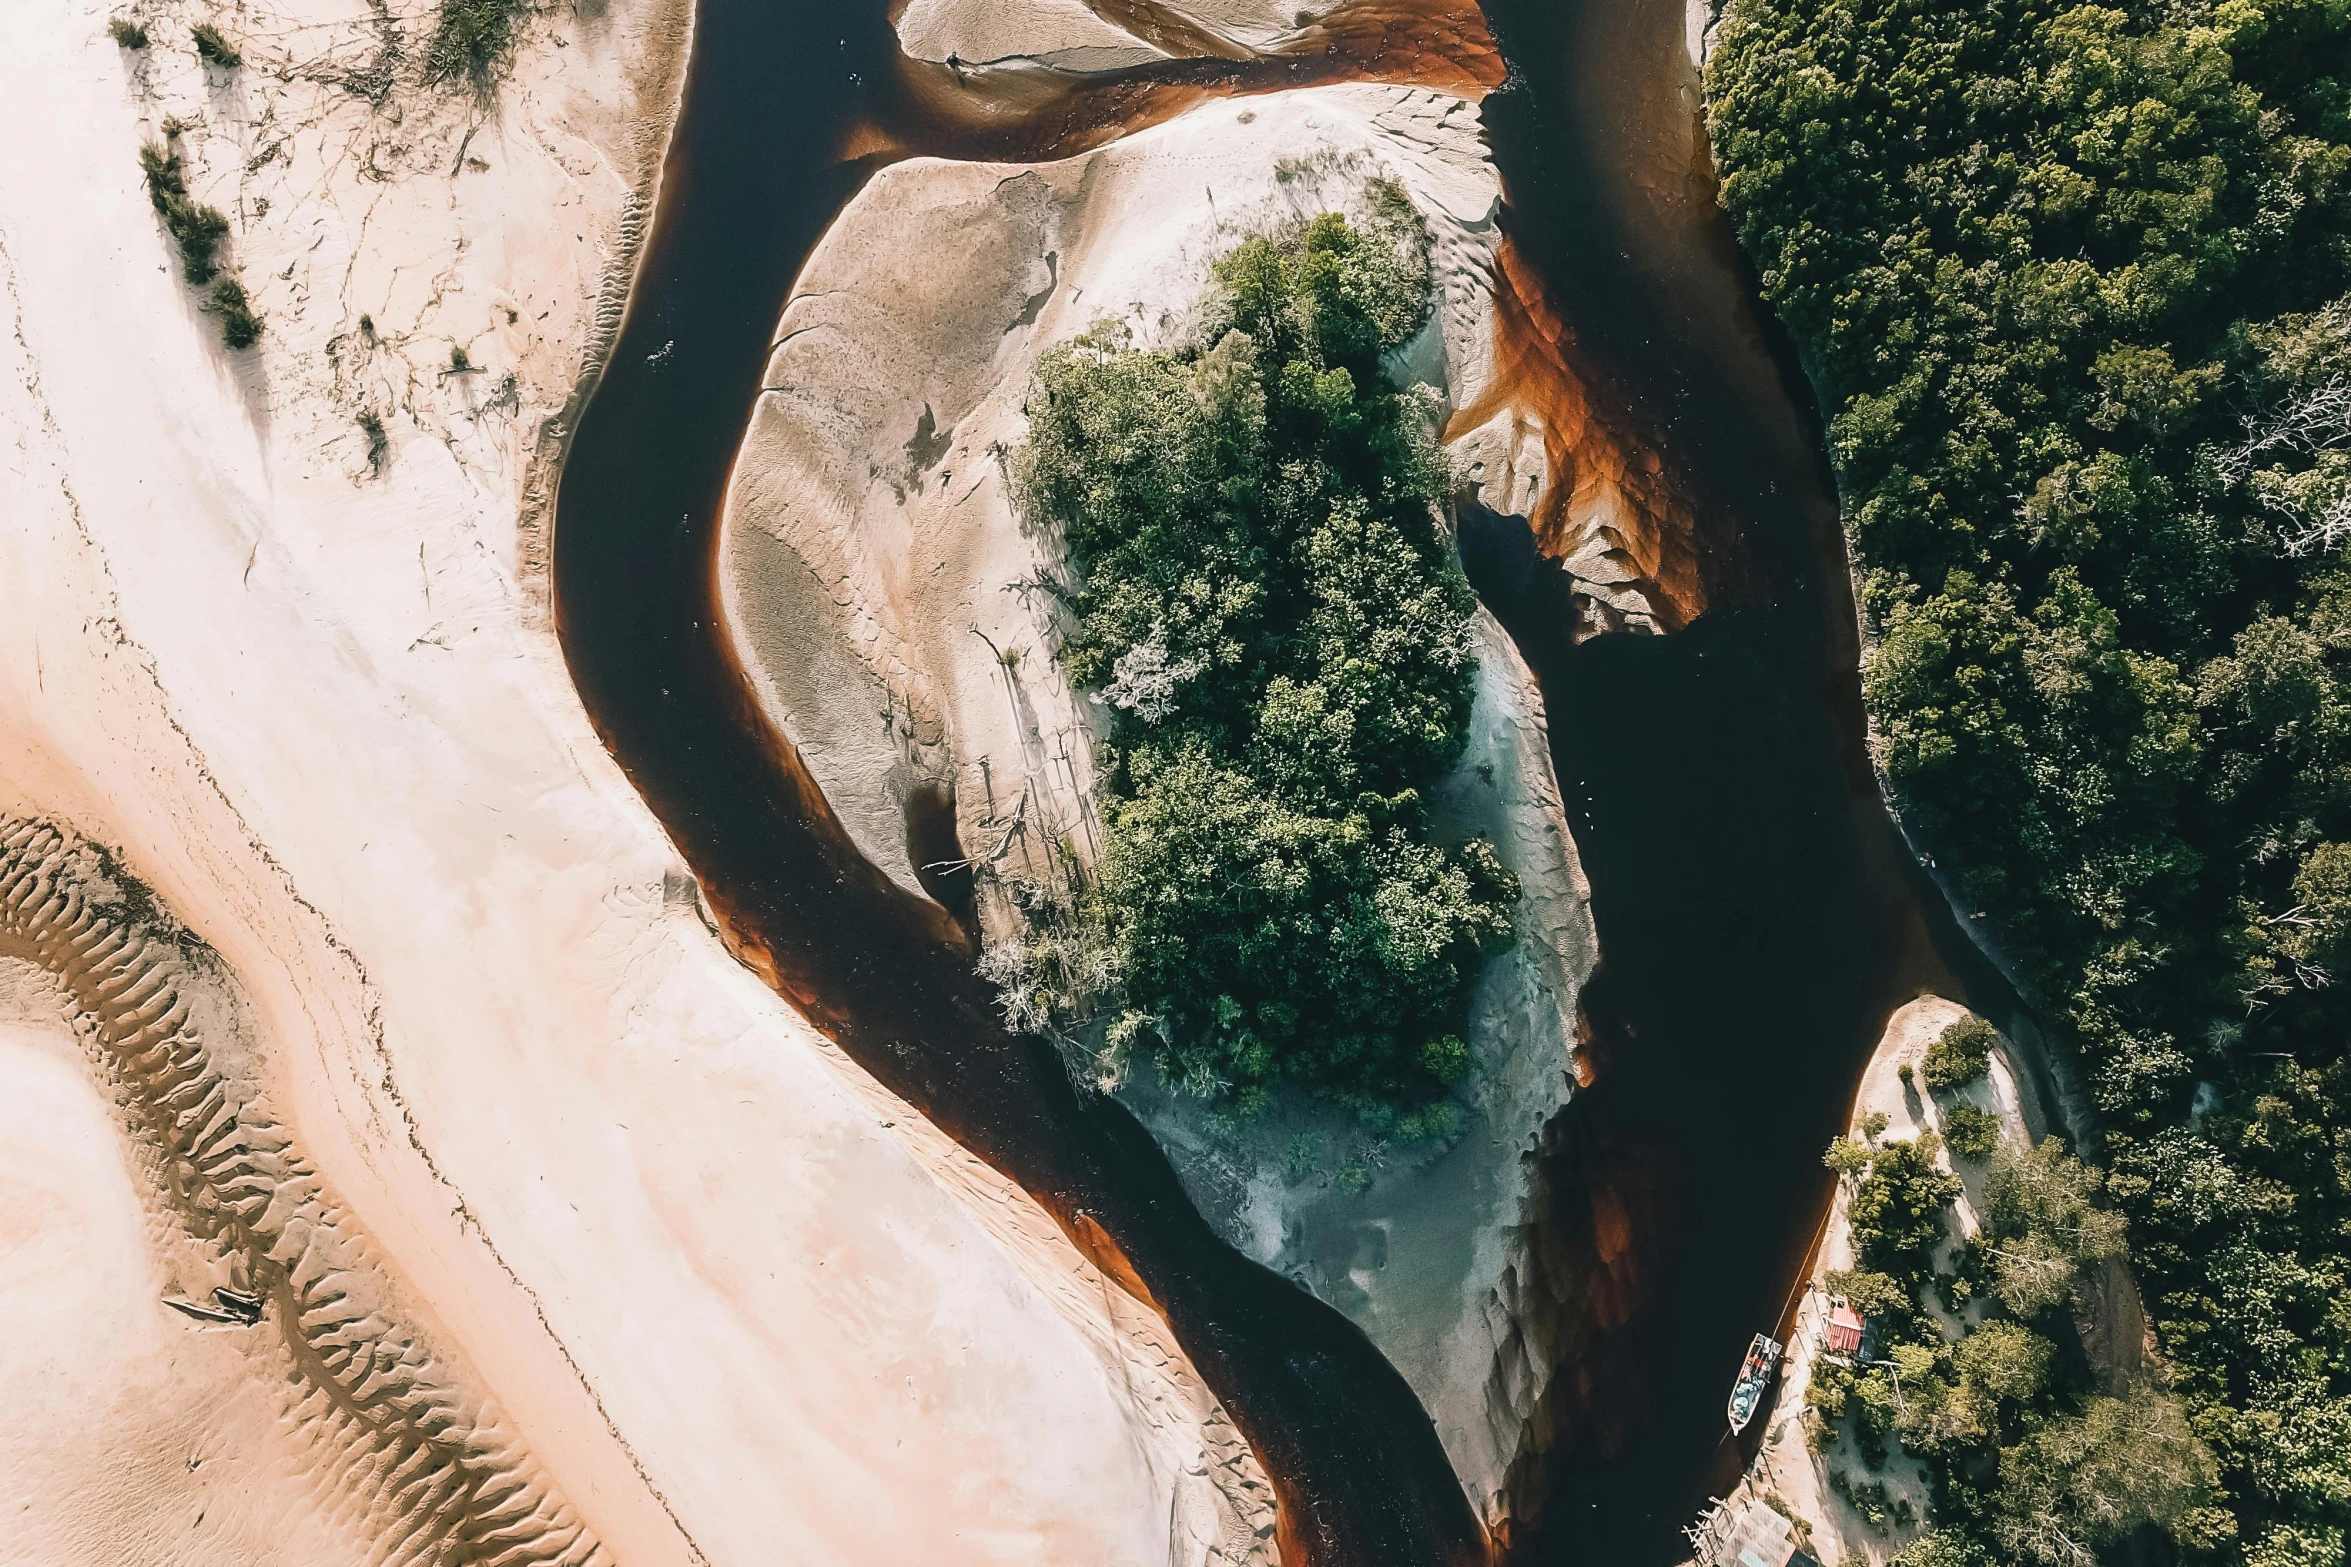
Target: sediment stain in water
x=1542, y=380
x=787, y=108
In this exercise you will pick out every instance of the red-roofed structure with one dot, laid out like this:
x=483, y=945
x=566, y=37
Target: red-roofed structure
x=1845, y=1328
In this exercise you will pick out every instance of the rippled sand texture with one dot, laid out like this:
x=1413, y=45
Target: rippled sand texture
x=397, y=1453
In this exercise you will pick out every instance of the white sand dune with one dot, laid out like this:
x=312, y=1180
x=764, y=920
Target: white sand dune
x=731, y=1301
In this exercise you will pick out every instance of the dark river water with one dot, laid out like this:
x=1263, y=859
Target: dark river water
x=1756, y=914
x=754, y=175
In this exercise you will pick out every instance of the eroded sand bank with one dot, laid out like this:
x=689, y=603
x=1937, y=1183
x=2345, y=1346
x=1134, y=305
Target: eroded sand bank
x=726, y=1293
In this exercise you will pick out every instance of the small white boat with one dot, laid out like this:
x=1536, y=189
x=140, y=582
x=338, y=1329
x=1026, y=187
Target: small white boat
x=1763, y=1358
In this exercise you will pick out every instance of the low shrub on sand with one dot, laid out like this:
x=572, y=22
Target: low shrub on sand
x=379, y=443
x=214, y=47
x=239, y=326
x=1960, y=1054
x=198, y=230
x=1971, y=1133
x=473, y=39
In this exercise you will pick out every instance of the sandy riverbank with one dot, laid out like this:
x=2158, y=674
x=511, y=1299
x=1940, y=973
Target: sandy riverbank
x=1786, y=1468
x=881, y=592
x=725, y=1291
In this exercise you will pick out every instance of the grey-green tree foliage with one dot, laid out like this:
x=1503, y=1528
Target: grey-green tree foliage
x=2044, y=1225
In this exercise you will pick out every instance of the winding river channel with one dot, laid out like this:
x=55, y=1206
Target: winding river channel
x=1757, y=913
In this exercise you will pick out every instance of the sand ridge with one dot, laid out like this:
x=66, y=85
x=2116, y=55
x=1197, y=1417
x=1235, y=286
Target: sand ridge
x=155, y=1443
x=425, y=1469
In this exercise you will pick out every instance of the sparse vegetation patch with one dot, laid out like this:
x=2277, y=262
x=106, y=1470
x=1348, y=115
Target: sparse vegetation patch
x=473, y=40
x=2032, y=1462
x=197, y=229
x=127, y=33
x=214, y=47
x=225, y=299
x=379, y=444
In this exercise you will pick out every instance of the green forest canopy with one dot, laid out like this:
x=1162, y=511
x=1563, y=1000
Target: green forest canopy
x=2070, y=282
x=2033, y=1462
x=1268, y=600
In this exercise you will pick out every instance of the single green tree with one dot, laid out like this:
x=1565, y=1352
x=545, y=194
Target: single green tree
x=1959, y=1055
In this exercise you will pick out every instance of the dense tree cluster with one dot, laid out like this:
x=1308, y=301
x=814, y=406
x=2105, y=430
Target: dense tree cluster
x=1268, y=603
x=2071, y=283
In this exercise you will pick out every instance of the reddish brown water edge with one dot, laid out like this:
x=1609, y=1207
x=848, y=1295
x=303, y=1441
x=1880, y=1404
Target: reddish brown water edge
x=778, y=96
x=1758, y=914
x=1755, y=908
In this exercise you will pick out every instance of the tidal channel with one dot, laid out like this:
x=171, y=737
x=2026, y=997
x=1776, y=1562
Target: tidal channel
x=1759, y=914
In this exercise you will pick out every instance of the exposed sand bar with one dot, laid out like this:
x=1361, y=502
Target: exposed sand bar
x=727, y=1293
x=879, y=588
